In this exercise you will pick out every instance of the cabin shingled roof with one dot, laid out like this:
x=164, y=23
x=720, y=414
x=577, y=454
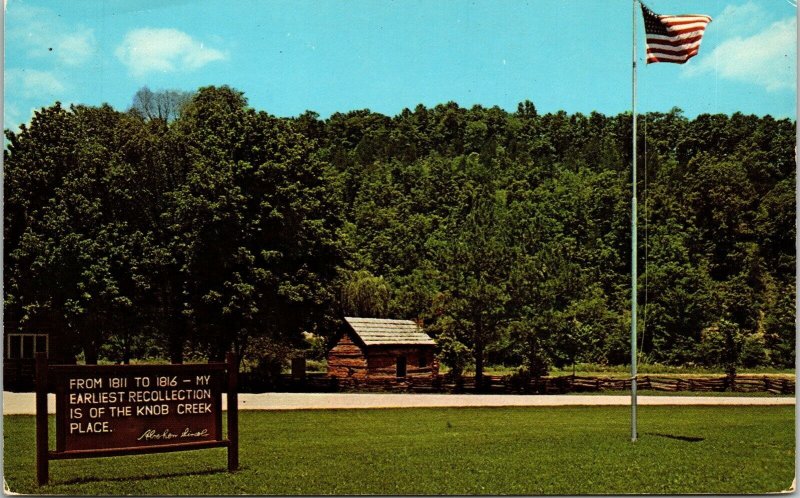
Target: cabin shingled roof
x=383, y=332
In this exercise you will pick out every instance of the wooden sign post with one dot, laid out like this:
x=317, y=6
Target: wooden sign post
x=115, y=410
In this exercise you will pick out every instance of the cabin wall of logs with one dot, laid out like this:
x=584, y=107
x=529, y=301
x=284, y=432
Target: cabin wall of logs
x=347, y=360
x=382, y=361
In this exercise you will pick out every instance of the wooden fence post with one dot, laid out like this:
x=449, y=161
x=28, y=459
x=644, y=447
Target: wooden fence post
x=299, y=368
x=42, y=462
x=233, y=412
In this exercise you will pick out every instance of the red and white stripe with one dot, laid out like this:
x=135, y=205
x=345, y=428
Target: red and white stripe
x=683, y=41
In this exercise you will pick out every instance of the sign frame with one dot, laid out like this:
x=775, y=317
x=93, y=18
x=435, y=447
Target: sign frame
x=51, y=379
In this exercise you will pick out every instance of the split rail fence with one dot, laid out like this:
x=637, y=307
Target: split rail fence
x=495, y=384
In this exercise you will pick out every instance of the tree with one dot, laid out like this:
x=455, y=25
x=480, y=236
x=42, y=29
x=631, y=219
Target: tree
x=365, y=295
x=779, y=327
x=165, y=105
x=474, y=274
x=452, y=352
x=75, y=245
x=726, y=345
x=543, y=286
x=252, y=225
x=526, y=110
x=207, y=223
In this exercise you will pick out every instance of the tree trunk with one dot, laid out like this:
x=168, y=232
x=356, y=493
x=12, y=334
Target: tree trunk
x=177, y=338
x=177, y=324
x=175, y=349
x=532, y=357
x=90, y=353
x=239, y=347
x=478, y=365
x=221, y=346
x=479, y=346
x=126, y=349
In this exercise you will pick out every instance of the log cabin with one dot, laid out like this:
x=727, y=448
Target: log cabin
x=377, y=347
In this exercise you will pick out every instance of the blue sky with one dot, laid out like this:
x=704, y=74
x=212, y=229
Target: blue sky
x=337, y=55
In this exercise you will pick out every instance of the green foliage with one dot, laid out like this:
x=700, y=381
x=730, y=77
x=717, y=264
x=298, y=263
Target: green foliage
x=548, y=265
x=779, y=329
x=265, y=359
x=452, y=352
x=216, y=229
x=123, y=348
x=507, y=233
x=365, y=295
x=474, y=260
x=726, y=345
x=316, y=347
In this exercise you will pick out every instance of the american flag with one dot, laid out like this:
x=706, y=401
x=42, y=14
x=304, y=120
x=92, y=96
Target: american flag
x=673, y=38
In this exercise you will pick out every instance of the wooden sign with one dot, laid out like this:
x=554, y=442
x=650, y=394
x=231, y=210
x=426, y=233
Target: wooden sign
x=127, y=409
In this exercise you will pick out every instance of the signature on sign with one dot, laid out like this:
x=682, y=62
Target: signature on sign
x=153, y=434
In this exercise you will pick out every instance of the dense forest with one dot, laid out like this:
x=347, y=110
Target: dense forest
x=192, y=224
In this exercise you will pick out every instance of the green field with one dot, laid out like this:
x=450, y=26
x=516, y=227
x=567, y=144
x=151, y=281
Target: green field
x=529, y=451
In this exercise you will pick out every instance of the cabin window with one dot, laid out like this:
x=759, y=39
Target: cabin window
x=401, y=366
x=25, y=345
x=423, y=360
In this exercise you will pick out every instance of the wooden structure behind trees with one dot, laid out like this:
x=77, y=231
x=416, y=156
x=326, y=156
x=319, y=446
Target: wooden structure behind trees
x=376, y=347
x=21, y=342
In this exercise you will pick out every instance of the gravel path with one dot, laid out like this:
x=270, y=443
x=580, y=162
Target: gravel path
x=24, y=403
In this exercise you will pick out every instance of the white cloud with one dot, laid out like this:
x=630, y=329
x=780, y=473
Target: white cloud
x=767, y=58
x=29, y=87
x=77, y=48
x=12, y=117
x=33, y=84
x=741, y=20
x=43, y=35
x=148, y=50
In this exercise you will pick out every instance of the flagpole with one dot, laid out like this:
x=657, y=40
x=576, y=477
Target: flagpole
x=634, y=272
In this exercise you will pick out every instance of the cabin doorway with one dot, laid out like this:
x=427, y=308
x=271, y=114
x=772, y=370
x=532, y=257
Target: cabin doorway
x=401, y=366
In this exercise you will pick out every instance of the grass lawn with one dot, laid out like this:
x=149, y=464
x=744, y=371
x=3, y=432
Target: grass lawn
x=529, y=451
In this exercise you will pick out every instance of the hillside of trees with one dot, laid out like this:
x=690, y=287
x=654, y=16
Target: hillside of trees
x=211, y=226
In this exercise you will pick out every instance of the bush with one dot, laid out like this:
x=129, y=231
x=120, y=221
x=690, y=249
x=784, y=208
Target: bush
x=453, y=352
x=317, y=347
x=521, y=379
x=753, y=351
x=119, y=349
x=725, y=346
x=265, y=359
x=316, y=365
